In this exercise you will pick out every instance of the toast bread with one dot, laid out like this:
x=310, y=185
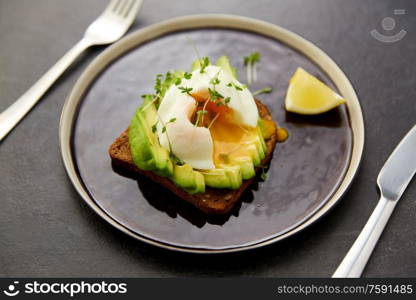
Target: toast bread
x=213, y=200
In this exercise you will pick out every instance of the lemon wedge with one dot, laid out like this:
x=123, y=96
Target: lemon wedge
x=309, y=96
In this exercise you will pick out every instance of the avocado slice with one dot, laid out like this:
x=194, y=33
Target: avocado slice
x=246, y=166
x=145, y=149
x=224, y=177
x=188, y=179
x=224, y=63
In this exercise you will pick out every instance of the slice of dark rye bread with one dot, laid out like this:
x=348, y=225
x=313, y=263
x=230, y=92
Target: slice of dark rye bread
x=212, y=201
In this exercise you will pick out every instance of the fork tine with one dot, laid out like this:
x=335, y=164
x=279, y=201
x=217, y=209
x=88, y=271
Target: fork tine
x=126, y=12
x=133, y=9
x=117, y=6
x=110, y=7
x=121, y=7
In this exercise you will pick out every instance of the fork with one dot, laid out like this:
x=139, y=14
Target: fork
x=110, y=26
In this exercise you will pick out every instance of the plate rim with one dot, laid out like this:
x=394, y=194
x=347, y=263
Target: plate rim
x=293, y=40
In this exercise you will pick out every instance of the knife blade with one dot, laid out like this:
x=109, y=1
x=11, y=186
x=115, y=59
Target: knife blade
x=392, y=181
x=399, y=168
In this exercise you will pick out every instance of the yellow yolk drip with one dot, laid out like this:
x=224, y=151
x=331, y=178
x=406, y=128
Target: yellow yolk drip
x=231, y=141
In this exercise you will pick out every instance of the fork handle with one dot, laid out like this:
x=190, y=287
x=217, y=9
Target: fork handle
x=15, y=112
x=354, y=262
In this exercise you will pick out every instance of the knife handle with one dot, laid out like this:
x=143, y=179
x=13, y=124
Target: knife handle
x=354, y=262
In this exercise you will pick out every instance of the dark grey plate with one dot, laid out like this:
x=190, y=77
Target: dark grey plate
x=304, y=173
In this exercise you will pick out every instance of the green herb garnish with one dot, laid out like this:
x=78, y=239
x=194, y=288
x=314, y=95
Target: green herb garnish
x=232, y=84
x=176, y=159
x=187, y=75
x=214, y=95
x=200, y=113
x=170, y=121
x=263, y=174
x=158, y=84
x=154, y=127
x=250, y=63
x=151, y=98
x=266, y=90
x=214, y=81
x=148, y=96
x=185, y=90
x=163, y=82
x=204, y=62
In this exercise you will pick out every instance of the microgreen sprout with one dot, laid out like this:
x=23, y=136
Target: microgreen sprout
x=250, y=63
x=187, y=75
x=204, y=62
x=214, y=95
x=200, y=113
x=176, y=159
x=232, y=84
x=191, y=41
x=185, y=90
x=150, y=96
x=213, y=120
x=266, y=90
x=263, y=174
x=158, y=84
x=154, y=127
x=214, y=81
x=170, y=121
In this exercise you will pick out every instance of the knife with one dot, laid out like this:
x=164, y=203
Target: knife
x=392, y=181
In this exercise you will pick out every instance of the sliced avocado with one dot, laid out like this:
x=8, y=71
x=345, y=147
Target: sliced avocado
x=164, y=164
x=140, y=144
x=261, y=146
x=254, y=153
x=234, y=176
x=146, y=152
x=216, y=178
x=224, y=177
x=224, y=63
x=262, y=141
x=188, y=179
x=200, y=183
x=246, y=166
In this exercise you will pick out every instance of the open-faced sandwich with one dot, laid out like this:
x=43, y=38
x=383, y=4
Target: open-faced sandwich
x=202, y=135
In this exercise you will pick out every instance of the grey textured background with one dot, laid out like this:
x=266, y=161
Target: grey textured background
x=46, y=229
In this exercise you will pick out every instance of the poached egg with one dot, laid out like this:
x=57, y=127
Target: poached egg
x=222, y=130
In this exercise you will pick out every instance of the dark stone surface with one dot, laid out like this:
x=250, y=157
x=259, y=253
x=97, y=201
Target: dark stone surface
x=46, y=229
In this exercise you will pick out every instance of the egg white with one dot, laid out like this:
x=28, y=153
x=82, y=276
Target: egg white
x=190, y=143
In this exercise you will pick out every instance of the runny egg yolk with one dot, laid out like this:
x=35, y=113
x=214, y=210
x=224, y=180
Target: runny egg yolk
x=230, y=140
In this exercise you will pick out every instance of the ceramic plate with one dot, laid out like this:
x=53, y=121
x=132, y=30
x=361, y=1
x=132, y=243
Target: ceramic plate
x=307, y=176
